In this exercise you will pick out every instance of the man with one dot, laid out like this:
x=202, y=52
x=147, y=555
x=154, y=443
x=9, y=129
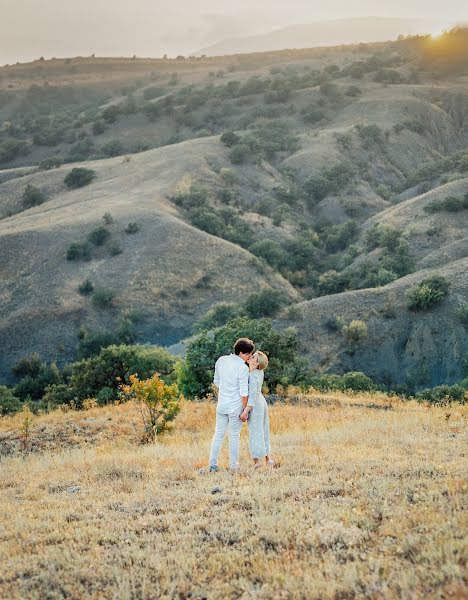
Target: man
x=232, y=380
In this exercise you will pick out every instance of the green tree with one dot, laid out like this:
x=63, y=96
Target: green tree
x=285, y=367
x=265, y=303
x=32, y=196
x=79, y=177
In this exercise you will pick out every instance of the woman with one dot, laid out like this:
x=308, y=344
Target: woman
x=259, y=424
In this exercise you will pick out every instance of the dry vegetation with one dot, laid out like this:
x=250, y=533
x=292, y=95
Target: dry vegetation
x=367, y=502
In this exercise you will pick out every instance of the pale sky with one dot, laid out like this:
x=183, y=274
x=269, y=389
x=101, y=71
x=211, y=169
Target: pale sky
x=33, y=28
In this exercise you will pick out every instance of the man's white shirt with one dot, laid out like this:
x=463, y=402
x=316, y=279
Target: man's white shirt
x=232, y=380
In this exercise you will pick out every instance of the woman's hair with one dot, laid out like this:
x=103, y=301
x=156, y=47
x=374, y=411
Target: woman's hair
x=262, y=360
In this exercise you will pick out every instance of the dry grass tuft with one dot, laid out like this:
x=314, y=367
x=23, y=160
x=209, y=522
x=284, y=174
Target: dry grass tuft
x=366, y=502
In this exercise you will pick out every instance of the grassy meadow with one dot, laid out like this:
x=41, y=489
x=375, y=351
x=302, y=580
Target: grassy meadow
x=366, y=501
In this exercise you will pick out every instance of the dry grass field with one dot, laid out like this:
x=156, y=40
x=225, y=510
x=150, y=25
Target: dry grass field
x=366, y=502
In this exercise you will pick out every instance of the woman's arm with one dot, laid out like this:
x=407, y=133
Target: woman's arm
x=254, y=388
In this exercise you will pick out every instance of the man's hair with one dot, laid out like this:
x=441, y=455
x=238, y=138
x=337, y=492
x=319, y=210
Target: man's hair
x=243, y=346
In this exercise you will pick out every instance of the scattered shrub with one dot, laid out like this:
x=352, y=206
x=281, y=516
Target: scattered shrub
x=104, y=297
x=115, y=249
x=99, y=127
x=216, y=316
x=230, y=139
x=355, y=332
x=108, y=219
x=99, y=236
x=86, y=287
x=79, y=251
x=132, y=228
x=463, y=315
x=265, y=303
x=79, y=177
x=32, y=196
x=335, y=323
x=112, y=148
x=428, y=293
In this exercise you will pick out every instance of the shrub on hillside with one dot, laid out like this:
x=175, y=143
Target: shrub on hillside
x=449, y=204
x=98, y=127
x=285, y=367
x=265, y=303
x=115, y=249
x=463, y=315
x=428, y=293
x=207, y=221
x=112, y=148
x=86, y=287
x=79, y=177
x=216, y=317
x=331, y=282
x=230, y=139
x=443, y=394
x=355, y=332
x=158, y=403
x=98, y=236
x=152, y=92
x=103, y=297
x=32, y=196
x=313, y=114
x=79, y=251
x=111, y=113
x=388, y=76
x=384, y=236
x=9, y=403
x=132, y=228
x=269, y=250
x=371, y=136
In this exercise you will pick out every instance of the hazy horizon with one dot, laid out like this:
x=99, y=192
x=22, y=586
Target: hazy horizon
x=149, y=28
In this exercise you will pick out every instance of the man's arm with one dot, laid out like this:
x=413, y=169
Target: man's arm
x=244, y=390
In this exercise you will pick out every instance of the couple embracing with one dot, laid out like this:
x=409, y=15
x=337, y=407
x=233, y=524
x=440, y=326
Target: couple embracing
x=239, y=379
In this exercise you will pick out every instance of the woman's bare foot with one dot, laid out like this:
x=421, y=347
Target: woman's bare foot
x=269, y=462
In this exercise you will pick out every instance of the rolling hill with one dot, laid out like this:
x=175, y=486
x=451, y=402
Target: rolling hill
x=217, y=178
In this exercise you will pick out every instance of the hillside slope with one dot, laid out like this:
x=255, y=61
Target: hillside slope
x=169, y=271
x=423, y=348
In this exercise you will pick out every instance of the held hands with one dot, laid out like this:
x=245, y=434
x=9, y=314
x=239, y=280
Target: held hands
x=244, y=415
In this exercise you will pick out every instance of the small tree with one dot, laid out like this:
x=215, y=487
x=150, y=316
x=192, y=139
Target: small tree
x=79, y=177
x=265, y=303
x=32, y=196
x=9, y=403
x=79, y=251
x=132, y=228
x=158, y=403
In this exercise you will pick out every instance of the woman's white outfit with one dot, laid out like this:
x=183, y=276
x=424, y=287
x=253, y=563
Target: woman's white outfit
x=259, y=424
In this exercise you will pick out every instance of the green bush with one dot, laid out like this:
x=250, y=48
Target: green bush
x=317, y=187
x=331, y=282
x=115, y=249
x=312, y=114
x=98, y=236
x=113, y=148
x=152, y=92
x=449, y=204
x=207, y=221
x=33, y=384
x=357, y=382
x=99, y=127
x=111, y=113
x=9, y=403
x=286, y=367
x=384, y=236
x=388, y=76
x=11, y=149
x=79, y=251
x=230, y=139
x=216, y=317
x=355, y=332
x=103, y=297
x=428, y=293
x=271, y=251
x=113, y=367
x=335, y=323
x=443, y=394
x=265, y=303
x=79, y=177
x=371, y=136
x=132, y=228
x=32, y=196
x=86, y=287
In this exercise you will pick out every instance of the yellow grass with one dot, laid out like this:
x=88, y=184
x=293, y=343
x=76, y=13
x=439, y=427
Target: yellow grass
x=367, y=502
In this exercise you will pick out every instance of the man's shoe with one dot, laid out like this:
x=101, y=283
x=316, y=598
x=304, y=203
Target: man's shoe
x=214, y=469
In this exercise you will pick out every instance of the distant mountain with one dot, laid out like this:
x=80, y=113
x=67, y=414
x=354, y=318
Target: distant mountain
x=326, y=33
